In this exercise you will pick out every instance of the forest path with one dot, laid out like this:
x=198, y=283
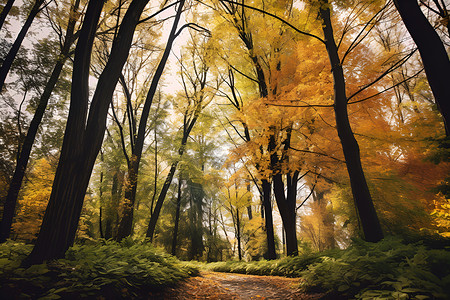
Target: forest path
x=226, y=286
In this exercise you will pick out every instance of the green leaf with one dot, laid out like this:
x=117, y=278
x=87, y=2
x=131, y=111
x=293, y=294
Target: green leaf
x=343, y=287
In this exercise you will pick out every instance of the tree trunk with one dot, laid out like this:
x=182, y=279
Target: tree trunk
x=5, y=12
x=238, y=234
x=177, y=218
x=196, y=208
x=286, y=206
x=100, y=214
x=267, y=203
x=249, y=207
x=22, y=162
x=126, y=217
x=361, y=195
x=434, y=56
x=7, y=62
x=112, y=215
x=82, y=140
x=131, y=187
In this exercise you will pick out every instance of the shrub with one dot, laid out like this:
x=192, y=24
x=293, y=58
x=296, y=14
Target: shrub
x=387, y=270
x=103, y=268
x=390, y=269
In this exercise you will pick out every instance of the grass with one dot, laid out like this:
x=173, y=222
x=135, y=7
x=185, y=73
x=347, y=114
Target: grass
x=109, y=269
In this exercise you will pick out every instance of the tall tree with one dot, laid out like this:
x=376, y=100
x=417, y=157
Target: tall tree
x=196, y=197
x=125, y=225
x=23, y=157
x=197, y=98
x=236, y=198
x=84, y=133
x=240, y=21
x=434, y=56
x=5, y=12
x=286, y=200
x=9, y=58
x=177, y=217
x=361, y=194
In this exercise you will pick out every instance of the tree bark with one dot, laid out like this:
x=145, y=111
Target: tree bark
x=112, y=215
x=22, y=162
x=249, y=207
x=5, y=12
x=267, y=203
x=7, y=62
x=100, y=213
x=126, y=221
x=286, y=206
x=196, y=195
x=238, y=234
x=434, y=56
x=82, y=140
x=286, y=203
x=361, y=195
x=177, y=219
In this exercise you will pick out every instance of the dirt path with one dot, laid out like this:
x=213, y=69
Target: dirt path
x=225, y=286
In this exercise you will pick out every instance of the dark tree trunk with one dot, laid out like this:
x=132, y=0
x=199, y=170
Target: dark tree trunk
x=238, y=234
x=130, y=192
x=61, y=216
x=7, y=62
x=112, y=215
x=100, y=213
x=286, y=206
x=249, y=207
x=82, y=140
x=196, y=211
x=127, y=212
x=22, y=162
x=286, y=203
x=177, y=219
x=162, y=196
x=434, y=57
x=267, y=203
x=249, y=212
x=5, y=12
x=361, y=195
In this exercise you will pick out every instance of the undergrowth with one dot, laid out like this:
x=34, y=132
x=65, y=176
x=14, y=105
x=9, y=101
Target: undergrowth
x=390, y=269
x=108, y=269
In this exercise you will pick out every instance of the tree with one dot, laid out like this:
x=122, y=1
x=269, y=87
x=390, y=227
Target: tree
x=84, y=133
x=363, y=200
x=125, y=224
x=236, y=199
x=197, y=98
x=246, y=31
x=196, y=203
x=5, y=12
x=9, y=58
x=177, y=217
x=434, y=56
x=23, y=157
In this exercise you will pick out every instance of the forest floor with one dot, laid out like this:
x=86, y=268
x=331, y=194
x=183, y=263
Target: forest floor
x=226, y=286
